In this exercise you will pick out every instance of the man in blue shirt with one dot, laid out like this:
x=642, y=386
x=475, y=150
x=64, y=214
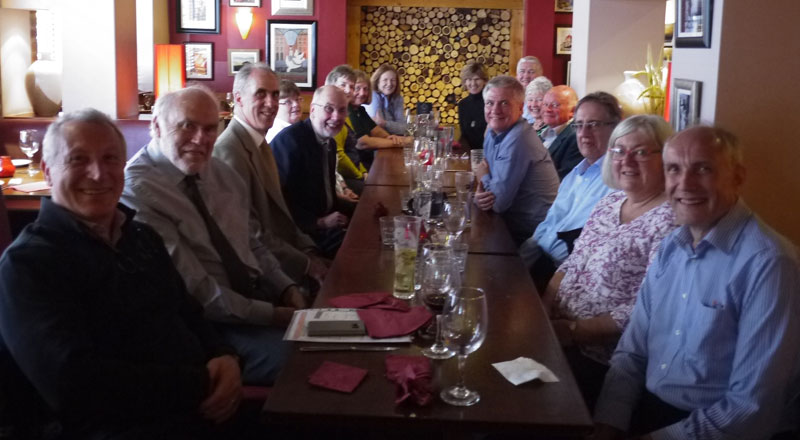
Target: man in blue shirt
x=595, y=118
x=713, y=346
x=517, y=177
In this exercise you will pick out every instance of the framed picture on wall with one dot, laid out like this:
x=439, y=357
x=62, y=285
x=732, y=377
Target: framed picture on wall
x=199, y=60
x=198, y=16
x=563, y=5
x=693, y=23
x=563, y=40
x=685, y=103
x=292, y=51
x=292, y=7
x=238, y=57
x=249, y=3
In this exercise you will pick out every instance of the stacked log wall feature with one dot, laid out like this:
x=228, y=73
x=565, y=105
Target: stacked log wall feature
x=430, y=45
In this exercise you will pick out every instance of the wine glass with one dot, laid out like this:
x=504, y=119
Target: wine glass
x=464, y=326
x=455, y=219
x=439, y=278
x=411, y=123
x=29, y=144
x=229, y=101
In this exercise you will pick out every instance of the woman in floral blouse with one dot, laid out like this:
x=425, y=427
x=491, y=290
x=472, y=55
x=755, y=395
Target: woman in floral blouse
x=591, y=296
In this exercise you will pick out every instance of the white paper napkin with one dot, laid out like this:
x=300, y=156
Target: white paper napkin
x=523, y=369
x=31, y=187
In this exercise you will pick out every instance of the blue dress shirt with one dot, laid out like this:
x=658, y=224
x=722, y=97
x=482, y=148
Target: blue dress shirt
x=715, y=331
x=580, y=190
x=521, y=177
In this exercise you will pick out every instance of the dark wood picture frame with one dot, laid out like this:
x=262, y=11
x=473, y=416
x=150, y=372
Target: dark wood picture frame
x=292, y=46
x=693, y=20
x=197, y=21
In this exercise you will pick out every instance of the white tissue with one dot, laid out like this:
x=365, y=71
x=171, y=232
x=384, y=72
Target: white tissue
x=523, y=369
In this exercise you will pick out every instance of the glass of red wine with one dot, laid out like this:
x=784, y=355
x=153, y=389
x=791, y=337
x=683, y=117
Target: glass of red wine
x=440, y=277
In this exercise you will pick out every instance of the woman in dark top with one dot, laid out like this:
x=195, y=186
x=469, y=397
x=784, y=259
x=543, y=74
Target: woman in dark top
x=470, y=109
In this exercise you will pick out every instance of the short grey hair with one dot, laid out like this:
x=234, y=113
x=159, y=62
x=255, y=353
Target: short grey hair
x=531, y=59
x=54, y=142
x=655, y=127
x=166, y=104
x=715, y=136
x=540, y=84
x=340, y=71
x=242, y=78
x=505, y=82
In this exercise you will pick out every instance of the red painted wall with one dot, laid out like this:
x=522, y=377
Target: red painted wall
x=331, y=17
x=331, y=37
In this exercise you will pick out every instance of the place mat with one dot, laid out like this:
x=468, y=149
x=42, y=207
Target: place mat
x=337, y=377
x=378, y=300
x=390, y=323
x=31, y=187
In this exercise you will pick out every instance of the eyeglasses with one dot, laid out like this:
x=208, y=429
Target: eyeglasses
x=639, y=154
x=290, y=101
x=591, y=125
x=553, y=105
x=329, y=109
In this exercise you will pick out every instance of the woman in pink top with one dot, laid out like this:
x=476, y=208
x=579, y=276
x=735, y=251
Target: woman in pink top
x=591, y=296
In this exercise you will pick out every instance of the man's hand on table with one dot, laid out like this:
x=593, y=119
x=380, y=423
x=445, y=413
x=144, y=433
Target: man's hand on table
x=484, y=200
x=332, y=220
x=225, y=391
x=481, y=170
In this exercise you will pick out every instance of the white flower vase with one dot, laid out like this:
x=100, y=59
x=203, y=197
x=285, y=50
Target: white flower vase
x=43, y=84
x=628, y=94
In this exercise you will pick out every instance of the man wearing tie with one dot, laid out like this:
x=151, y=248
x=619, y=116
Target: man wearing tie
x=242, y=146
x=200, y=207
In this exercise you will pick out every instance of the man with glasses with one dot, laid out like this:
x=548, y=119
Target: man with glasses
x=558, y=135
x=516, y=178
x=596, y=115
x=243, y=148
x=306, y=157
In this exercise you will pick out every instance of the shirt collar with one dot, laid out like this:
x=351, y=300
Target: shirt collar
x=723, y=235
x=497, y=138
x=166, y=168
x=584, y=165
x=257, y=137
x=100, y=231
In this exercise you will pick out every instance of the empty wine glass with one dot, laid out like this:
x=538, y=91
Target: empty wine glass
x=464, y=325
x=29, y=144
x=411, y=123
x=455, y=219
x=439, y=279
x=229, y=101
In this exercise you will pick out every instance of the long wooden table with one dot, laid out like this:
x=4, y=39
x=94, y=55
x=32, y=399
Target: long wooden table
x=23, y=201
x=518, y=326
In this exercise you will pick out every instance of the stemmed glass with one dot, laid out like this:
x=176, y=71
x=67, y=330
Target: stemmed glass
x=464, y=326
x=411, y=124
x=29, y=144
x=455, y=219
x=439, y=279
x=229, y=101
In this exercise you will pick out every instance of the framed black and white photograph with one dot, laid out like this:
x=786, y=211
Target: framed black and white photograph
x=248, y=3
x=292, y=7
x=198, y=16
x=563, y=5
x=563, y=40
x=685, y=103
x=693, y=23
x=199, y=60
x=292, y=51
x=238, y=57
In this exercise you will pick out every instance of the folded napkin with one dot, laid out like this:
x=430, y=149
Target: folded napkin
x=376, y=300
x=338, y=377
x=523, y=369
x=390, y=323
x=412, y=374
x=31, y=187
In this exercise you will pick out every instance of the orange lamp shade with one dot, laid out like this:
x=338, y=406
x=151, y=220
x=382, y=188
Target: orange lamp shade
x=170, y=68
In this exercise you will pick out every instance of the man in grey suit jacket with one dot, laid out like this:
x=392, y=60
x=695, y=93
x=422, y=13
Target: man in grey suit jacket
x=243, y=147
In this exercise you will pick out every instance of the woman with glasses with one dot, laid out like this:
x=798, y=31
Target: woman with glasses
x=289, y=108
x=471, y=119
x=534, y=95
x=386, y=108
x=591, y=296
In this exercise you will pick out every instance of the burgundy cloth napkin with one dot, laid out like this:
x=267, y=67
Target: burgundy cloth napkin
x=338, y=377
x=391, y=323
x=412, y=374
x=372, y=300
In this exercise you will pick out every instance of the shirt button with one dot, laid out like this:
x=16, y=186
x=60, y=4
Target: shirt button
x=677, y=332
x=663, y=366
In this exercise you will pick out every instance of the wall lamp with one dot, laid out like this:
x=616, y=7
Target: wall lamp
x=244, y=20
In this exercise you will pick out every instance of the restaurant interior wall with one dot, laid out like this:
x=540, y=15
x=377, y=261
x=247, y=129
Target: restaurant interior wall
x=15, y=54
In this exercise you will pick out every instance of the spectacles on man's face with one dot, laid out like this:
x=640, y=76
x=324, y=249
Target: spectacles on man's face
x=639, y=154
x=329, y=109
x=591, y=125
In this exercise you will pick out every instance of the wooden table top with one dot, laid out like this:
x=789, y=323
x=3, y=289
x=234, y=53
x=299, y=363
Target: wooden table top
x=518, y=326
x=487, y=233
x=23, y=201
